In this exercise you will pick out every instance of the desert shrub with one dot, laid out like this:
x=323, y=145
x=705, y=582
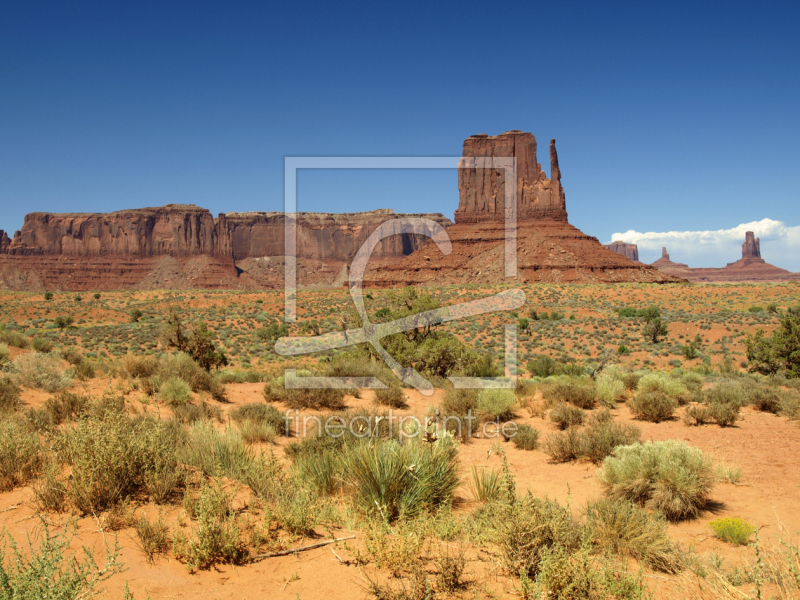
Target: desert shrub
x=175, y=391
x=729, y=473
x=779, y=353
x=5, y=355
x=181, y=365
x=9, y=396
x=669, y=476
x=217, y=453
x=631, y=381
x=724, y=415
x=84, y=370
x=565, y=415
x=733, y=530
x=526, y=438
x=530, y=526
x=602, y=435
x=610, y=389
x=485, y=484
x=41, y=371
x=215, y=538
x=655, y=406
x=113, y=455
x=249, y=376
x=321, y=470
x=400, y=480
x=392, y=396
x=152, y=537
x=257, y=432
x=66, y=407
x=21, y=454
x=564, y=446
x=139, y=367
x=765, y=399
x=14, y=339
x=260, y=413
x=790, y=405
x=459, y=402
x=299, y=399
x=624, y=528
x=52, y=569
x=578, y=394
x=49, y=489
x=727, y=393
x=660, y=382
x=572, y=574
x=697, y=414
x=42, y=345
x=496, y=404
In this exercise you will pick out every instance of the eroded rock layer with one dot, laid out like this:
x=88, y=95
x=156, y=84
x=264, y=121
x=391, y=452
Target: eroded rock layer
x=629, y=251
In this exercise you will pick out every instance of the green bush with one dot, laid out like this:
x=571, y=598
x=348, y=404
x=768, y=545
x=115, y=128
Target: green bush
x=5, y=355
x=727, y=393
x=42, y=345
x=52, y=569
x=733, y=530
x=261, y=413
x=41, y=371
x=765, y=399
x=724, y=415
x=459, y=402
x=660, y=382
x=610, y=389
x=216, y=536
x=602, y=435
x=401, y=480
x=485, y=484
x=392, y=396
x=526, y=438
x=21, y=454
x=577, y=393
x=655, y=406
x=496, y=404
x=175, y=392
x=217, y=453
x=779, y=353
x=565, y=415
x=669, y=476
x=697, y=414
x=624, y=528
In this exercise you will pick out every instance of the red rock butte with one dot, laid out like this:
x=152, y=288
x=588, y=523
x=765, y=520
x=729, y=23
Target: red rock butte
x=629, y=251
x=750, y=268
x=549, y=249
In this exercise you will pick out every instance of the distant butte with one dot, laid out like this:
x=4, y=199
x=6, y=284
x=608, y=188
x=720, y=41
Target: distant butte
x=629, y=251
x=750, y=268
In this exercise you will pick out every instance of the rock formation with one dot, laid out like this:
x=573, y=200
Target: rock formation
x=549, y=249
x=181, y=246
x=482, y=190
x=750, y=268
x=629, y=251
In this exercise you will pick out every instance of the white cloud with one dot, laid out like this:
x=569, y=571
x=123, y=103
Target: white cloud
x=780, y=244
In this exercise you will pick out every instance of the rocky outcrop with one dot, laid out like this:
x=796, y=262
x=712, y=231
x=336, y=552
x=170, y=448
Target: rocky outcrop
x=5, y=242
x=629, y=251
x=320, y=236
x=481, y=190
x=549, y=249
x=750, y=268
x=171, y=230
x=179, y=246
x=751, y=247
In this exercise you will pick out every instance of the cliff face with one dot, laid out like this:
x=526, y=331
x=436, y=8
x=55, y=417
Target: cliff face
x=321, y=236
x=629, y=251
x=178, y=246
x=171, y=230
x=752, y=246
x=482, y=190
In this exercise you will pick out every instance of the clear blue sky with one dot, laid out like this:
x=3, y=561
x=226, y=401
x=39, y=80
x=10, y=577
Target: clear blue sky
x=668, y=116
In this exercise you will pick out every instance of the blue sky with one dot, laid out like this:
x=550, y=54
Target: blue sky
x=676, y=117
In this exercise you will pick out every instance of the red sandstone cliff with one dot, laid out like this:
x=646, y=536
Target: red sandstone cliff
x=482, y=190
x=179, y=246
x=629, y=251
x=549, y=249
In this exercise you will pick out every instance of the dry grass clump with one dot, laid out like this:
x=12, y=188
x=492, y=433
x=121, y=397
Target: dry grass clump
x=67, y=407
x=671, y=477
x=594, y=442
x=259, y=422
x=21, y=454
x=654, y=406
x=299, y=399
x=579, y=393
x=624, y=528
x=9, y=396
x=391, y=396
x=565, y=415
x=139, y=367
x=526, y=438
x=40, y=371
x=152, y=537
x=661, y=382
x=175, y=392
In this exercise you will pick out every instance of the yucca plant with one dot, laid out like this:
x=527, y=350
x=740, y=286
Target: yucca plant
x=485, y=484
